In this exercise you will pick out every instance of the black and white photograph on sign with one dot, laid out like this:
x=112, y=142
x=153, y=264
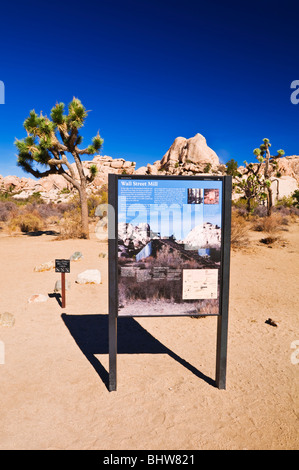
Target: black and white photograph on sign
x=195, y=195
x=169, y=246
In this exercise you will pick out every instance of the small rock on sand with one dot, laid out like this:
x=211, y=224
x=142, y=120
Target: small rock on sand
x=90, y=276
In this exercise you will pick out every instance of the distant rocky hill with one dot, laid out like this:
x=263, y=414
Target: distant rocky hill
x=185, y=157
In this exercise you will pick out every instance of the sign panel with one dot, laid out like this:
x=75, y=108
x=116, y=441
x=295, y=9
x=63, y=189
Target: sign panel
x=169, y=245
x=62, y=265
x=169, y=253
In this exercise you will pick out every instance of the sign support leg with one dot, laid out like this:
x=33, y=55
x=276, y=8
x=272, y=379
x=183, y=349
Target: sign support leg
x=112, y=353
x=221, y=357
x=113, y=280
x=222, y=324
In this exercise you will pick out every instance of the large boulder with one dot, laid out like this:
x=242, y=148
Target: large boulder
x=289, y=166
x=283, y=187
x=194, y=150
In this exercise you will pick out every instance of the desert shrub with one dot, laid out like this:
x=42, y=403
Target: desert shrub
x=7, y=210
x=285, y=211
x=207, y=168
x=48, y=210
x=270, y=225
x=63, y=207
x=295, y=197
x=35, y=198
x=4, y=213
x=241, y=205
x=65, y=191
x=70, y=225
x=93, y=201
x=26, y=222
x=239, y=230
x=286, y=201
x=260, y=211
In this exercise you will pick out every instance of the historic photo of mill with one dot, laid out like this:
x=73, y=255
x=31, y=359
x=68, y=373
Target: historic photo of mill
x=169, y=255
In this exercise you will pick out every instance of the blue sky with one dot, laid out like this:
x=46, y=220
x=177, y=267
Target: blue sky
x=150, y=71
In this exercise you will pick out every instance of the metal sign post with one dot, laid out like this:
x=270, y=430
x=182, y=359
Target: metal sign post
x=198, y=273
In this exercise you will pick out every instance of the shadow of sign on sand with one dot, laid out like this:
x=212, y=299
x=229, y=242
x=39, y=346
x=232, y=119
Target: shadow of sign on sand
x=90, y=333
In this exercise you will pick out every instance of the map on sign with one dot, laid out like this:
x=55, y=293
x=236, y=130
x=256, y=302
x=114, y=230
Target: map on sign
x=200, y=284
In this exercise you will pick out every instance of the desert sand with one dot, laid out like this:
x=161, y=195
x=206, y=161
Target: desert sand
x=53, y=386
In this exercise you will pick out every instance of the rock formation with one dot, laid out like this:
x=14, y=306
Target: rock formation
x=203, y=236
x=185, y=157
x=132, y=238
x=194, y=150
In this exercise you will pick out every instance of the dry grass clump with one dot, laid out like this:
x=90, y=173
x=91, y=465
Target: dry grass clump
x=239, y=231
x=70, y=225
x=26, y=222
x=269, y=225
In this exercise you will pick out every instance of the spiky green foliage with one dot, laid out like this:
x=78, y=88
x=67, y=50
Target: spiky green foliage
x=50, y=139
x=77, y=114
x=97, y=142
x=57, y=115
x=93, y=170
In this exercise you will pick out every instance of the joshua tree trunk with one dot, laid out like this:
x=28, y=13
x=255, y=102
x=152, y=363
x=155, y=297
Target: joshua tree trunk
x=84, y=212
x=269, y=201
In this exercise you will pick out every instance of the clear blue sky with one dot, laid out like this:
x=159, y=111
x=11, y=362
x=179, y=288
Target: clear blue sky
x=151, y=71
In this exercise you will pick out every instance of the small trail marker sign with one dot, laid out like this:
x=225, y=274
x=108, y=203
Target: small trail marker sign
x=62, y=266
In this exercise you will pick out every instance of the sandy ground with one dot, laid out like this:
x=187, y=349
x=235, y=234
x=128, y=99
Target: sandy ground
x=53, y=383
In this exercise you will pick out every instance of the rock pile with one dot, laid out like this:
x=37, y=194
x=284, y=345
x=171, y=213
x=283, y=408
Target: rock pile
x=185, y=157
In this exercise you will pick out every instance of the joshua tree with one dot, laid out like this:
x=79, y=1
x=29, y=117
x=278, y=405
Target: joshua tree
x=47, y=144
x=255, y=183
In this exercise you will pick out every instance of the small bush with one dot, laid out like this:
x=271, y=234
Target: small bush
x=70, y=225
x=260, y=211
x=286, y=201
x=239, y=231
x=26, y=222
x=7, y=210
x=295, y=197
x=270, y=225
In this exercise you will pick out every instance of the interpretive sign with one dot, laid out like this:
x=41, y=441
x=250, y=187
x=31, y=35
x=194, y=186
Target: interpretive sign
x=169, y=253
